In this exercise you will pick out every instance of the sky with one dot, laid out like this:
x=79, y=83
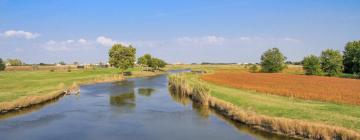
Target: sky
x=178, y=31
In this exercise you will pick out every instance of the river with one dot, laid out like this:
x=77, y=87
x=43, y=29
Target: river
x=133, y=109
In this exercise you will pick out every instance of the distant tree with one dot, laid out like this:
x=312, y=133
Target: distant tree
x=62, y=63
x=253, y=68
x=122, y=57
x=152, y=62
x=157, y=63
x=76, y=63
x=15, y=62
x=145, y=60
x=2, y=65
x=352, y=57
x=272, y=61
x=331, y=62
x=311, y=65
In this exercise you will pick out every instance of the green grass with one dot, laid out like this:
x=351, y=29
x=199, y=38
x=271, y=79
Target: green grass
x=278, y=106
x=14, y=85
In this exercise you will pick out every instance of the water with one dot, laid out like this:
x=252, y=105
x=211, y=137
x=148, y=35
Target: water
x=135, y=109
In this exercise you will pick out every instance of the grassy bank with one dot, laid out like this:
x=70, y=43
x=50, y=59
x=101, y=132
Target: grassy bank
x=294, y=117
x=24, y=88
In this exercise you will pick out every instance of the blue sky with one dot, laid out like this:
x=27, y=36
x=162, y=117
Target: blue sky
x=177, y=31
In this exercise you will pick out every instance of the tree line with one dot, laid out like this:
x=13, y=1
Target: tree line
x=124, y=58
x=330, y=62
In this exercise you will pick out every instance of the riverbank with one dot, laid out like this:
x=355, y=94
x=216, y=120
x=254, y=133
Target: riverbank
x=27, y=88
x=291, y=117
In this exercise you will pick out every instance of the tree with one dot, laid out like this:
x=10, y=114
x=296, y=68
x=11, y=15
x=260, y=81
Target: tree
x=352, y=57
x=14, y=62
x=157, y=63
x=331, y=62
x=76, y=63
x=2, y=65
x=311, y=65
x=150, y=61
x=122, y=57
x=145, y=60
x=62, y=63
x=272, y=61
x=253, y=68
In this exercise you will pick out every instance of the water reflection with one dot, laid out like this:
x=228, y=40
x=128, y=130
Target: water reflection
x=28, y=110
x=204, y=112
x=146, y=91
x=123, y=100
x=123, y=95
x=179, y=98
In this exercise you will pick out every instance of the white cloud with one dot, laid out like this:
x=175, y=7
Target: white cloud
x=82, y=41
x=105, y=41
x=292, y=39
x=70, y=41
x=67, y=45
x=202, y=41
x=20, y=34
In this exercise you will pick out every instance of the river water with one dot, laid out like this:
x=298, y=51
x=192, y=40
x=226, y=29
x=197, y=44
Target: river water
x=134, y=109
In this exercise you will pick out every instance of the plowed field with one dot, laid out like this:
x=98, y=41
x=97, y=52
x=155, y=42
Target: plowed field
x=320, y=88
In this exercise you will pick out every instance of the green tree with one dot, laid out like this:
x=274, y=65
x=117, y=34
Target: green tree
x=15, y=62
x=152, y=62
x=62, y=63
x=352, y=57
x=122, y=57
x=2, y=65
x=145, y=60
x=273, y=61
x=331, y=62
x=253, y=68
x=311, y=65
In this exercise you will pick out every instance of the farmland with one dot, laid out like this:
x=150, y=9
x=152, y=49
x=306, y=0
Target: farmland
x=330, y=89
x=255, y=107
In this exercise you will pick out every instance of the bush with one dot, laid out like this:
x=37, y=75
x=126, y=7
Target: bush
x=2, y=65
x=253, y=68
x=352, y=57
x=331, y=62
x=273, y=61
x=311, y=65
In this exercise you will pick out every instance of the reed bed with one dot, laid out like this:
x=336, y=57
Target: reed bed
x=331, y=89
x=290, y=127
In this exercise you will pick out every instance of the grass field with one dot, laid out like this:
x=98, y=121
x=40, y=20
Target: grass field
x=347, y=116
x=332, y=89
x=17, y=84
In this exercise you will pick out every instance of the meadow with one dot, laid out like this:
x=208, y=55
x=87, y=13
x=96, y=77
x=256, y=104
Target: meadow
x=25, y=88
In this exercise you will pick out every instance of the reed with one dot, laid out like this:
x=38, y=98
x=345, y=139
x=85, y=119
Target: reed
x=198, y=91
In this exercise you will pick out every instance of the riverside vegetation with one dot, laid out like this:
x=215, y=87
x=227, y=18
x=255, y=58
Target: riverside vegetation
x=26, y=88
x=288, y=116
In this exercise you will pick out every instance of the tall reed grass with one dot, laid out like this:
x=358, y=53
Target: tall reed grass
x=199, y=92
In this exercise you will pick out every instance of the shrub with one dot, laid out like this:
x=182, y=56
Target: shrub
x=311, y=65
x=352, y=57
x=253, y=68
x=2, y=65
x=331, y=62
x=273, y=61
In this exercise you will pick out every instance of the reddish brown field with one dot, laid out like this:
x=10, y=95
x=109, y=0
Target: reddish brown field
x=331, y=89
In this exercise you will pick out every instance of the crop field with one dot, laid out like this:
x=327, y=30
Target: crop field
x=331, y=89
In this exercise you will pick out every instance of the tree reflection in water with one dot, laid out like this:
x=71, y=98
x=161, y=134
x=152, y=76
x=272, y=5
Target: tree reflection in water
x=146, y=91
x=124, y=95
x=202, y=110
